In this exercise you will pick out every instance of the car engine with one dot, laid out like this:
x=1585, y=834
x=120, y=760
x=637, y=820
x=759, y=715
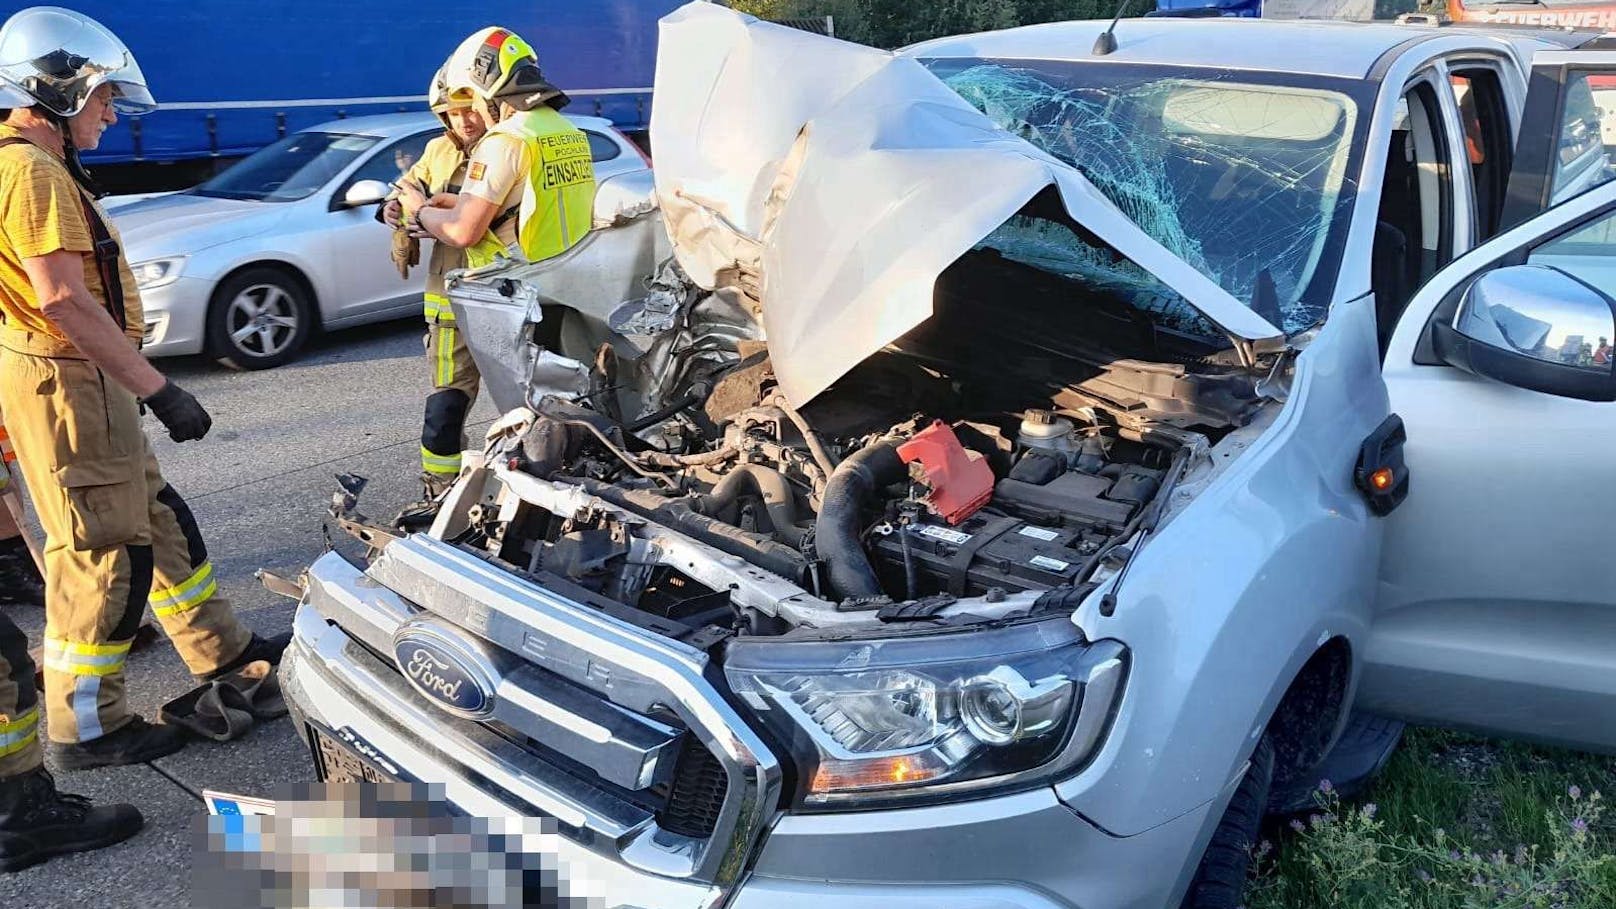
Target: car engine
x=923, y=487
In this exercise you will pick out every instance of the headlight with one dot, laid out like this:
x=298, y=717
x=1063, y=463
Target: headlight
x=157, y=272
x=925, y=717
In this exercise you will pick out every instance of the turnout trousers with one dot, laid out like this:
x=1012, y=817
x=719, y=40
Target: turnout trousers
x=455, y=382
x=116, y=536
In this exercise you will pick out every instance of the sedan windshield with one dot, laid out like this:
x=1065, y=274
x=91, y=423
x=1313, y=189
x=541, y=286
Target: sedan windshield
x=1248, y=177
x=291, y=169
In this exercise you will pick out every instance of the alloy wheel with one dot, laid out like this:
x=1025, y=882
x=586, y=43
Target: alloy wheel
x=261, y=320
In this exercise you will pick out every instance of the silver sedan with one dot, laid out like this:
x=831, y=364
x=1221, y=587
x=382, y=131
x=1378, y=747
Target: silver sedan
x=245, y=267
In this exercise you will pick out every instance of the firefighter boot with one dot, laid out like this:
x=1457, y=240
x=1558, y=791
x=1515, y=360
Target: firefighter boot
x=136, y=742
x=37, y=821
x=20, y=581
x=267, y=649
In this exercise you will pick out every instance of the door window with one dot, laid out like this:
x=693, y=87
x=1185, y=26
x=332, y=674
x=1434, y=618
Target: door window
x=602, y=148
x=1588, y=254
x=391, y=162
x=1587, y=133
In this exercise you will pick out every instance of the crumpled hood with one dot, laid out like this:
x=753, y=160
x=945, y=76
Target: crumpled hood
x=181, y=223
x=844, y=180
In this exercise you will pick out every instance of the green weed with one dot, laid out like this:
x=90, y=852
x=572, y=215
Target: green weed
x=1455, y=823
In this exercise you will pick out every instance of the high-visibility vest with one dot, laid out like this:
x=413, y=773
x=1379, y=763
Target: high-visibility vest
x=557, y=207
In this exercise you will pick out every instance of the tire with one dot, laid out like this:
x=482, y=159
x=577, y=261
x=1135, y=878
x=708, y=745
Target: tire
x=1220, y=881
x=260, y=318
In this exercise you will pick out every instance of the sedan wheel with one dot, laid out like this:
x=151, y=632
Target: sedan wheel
x=259, y=319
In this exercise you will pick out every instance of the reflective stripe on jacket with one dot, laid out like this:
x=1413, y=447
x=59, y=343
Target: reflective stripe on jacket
x=558, y=203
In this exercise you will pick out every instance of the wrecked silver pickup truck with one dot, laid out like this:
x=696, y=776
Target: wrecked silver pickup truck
x=984, y=506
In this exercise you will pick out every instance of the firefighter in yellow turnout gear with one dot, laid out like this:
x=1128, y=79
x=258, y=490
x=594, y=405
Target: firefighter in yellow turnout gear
x=441, y=171
x=72, y=381
x=530, y=187
x=71, y=384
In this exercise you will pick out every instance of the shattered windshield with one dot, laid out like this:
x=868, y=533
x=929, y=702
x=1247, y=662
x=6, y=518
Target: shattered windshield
x=1248, y=177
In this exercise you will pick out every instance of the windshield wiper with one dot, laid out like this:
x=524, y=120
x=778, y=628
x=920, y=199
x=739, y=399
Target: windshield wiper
x=227, y=194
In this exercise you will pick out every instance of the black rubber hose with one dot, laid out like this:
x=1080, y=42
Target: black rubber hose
x=767, y=484
x=836, y=532
x=911, y=575
x=652, y=419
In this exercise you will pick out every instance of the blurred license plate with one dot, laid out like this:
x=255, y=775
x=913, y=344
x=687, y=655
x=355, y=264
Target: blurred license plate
x=346, y=757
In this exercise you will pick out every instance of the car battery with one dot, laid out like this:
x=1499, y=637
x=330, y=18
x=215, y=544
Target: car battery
x=989, y=550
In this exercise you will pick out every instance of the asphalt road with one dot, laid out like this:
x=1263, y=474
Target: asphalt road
x=259, y=485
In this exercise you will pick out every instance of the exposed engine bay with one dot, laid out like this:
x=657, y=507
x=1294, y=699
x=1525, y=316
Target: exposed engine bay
x=938, y=482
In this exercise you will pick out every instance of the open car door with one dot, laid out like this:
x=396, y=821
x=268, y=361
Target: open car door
x=1568, y=129
x=1496, y=609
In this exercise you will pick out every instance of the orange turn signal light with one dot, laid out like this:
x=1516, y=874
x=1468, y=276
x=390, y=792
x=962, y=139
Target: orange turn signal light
x=1381, y=480
x=877, y=773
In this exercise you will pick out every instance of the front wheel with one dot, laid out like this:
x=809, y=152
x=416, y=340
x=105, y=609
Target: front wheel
x=259, y=319
x=1220, y=881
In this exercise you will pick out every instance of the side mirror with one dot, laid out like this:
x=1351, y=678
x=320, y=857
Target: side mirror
x=621, y=199
x=365, y=192
x=1534, y=327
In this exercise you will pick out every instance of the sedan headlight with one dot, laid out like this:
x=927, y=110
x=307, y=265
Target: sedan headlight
x=926, y=717
x=157, y=272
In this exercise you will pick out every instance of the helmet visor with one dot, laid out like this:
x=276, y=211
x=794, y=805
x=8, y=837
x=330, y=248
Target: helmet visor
x=132, y=98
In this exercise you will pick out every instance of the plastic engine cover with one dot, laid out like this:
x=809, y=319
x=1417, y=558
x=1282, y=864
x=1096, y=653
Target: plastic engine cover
x=960, y=480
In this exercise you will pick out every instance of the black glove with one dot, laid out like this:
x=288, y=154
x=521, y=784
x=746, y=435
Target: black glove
x=180, y=412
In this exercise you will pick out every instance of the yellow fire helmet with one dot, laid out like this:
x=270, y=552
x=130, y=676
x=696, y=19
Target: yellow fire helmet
x=496, y=66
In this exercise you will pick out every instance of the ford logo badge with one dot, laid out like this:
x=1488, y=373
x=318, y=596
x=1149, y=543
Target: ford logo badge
x=453, y=672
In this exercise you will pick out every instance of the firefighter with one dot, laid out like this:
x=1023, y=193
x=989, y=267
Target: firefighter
x=529, y=192
x=441, y=169
x=72, y=382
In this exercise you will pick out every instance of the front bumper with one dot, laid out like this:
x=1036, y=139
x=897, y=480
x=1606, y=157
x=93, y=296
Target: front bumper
x=1024, y=850
x=176, y=317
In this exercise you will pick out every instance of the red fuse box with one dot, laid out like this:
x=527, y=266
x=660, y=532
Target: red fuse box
x=960, y=480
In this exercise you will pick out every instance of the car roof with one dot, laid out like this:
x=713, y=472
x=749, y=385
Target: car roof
x=1312, y=47
x=388, y=126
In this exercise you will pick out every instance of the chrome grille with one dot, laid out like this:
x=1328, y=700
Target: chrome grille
x=635, y=709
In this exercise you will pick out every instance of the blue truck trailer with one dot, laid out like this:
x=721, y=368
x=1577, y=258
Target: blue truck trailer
x=232, y=76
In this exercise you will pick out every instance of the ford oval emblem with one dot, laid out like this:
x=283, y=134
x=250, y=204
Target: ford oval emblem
x=451, y=671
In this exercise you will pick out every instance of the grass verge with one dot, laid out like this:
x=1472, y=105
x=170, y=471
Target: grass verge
x=1455, y=822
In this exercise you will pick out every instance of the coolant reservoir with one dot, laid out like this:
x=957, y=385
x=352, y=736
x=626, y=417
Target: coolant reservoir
x=1044, y=429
